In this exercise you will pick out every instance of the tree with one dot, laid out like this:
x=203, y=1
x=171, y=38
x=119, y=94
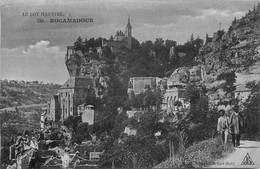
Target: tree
x=78, y=45
x=136, y=151
x=199, y=116
x=82, y=133
x=250, y=84
x=191, y=37
x=169, y=43
x=147, y=44
x=234, y=21
x=178, y=104
x=207, y=38
x=159, y=42
x=230, y=78
x=251, y=112
x=135, y=44
x=72, y=122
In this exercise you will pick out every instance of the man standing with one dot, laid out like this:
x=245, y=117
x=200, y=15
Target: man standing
x=222, y=128
x=236, y=126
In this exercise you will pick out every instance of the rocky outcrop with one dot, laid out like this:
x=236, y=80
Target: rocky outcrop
x=237, y=48
x=90, y=66
x=99, y=66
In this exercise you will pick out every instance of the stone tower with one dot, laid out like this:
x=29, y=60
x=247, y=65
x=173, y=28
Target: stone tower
x=128, y=33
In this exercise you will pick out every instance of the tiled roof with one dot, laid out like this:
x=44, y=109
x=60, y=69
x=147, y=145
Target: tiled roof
x=53, y=161
x=75, y=82
x=83, y=148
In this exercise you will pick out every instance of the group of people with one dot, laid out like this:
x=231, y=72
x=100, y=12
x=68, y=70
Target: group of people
x=233, y=124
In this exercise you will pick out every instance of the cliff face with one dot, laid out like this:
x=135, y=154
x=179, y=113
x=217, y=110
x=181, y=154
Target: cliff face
x=101, y=66
x=237, y=48
x=90, y=66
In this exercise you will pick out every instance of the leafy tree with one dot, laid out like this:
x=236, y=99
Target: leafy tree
x=136, y=151
x=207, y=38
x=78, y=45
x=146, y=100
x=202, y=120
x=135, y=44
x=72, y=122
x=178, y=104
x=82, y=133
x=159, y=42
x=191, y=37
x=169, y=43
x=54, y=135
x=234, y=21
x=251, y=112
x=230, y=78
x=250, y=84
x=147, y=45
x=4, y=117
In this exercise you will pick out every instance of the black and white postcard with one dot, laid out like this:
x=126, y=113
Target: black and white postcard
x=130, y=84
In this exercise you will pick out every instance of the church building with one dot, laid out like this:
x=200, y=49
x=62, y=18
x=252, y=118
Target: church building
x=73, y=93
x=121, y=39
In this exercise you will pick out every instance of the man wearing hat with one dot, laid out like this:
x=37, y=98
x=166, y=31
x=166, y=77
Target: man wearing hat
x=236, y=126
x=223, y=124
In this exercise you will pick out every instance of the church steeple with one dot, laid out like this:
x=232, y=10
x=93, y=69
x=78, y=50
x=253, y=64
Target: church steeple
x=128, y=33
x=128, y=26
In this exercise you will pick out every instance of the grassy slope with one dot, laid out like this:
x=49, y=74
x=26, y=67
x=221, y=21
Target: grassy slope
x=199, y=154
x=24, y=94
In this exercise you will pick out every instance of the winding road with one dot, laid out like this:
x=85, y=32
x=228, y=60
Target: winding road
x=247, y=155
x=24, y=106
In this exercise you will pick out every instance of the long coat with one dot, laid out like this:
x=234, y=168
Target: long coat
x=236, y=124
x=223, y=123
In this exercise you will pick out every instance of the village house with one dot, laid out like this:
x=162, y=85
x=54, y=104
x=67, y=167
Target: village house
x=138, y=85
x=242, y=92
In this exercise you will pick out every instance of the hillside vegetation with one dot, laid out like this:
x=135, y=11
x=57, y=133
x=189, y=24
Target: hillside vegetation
x=19, y=93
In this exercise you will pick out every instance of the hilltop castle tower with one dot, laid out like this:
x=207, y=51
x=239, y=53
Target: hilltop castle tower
x=121, y=39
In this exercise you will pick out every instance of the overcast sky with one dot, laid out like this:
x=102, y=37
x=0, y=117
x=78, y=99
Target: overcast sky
x=36, y=51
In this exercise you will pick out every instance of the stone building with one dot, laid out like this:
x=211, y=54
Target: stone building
x=121, y=39
x=173, y=90
x=73, y=93
x=171, y=96
x=87, y=113
x=54, y=112
x=242, y=92
x=138, y=85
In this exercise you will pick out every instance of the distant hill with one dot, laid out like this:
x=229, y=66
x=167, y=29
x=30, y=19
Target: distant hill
x=20, y=93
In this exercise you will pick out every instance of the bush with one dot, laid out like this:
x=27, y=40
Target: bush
x=251, y=115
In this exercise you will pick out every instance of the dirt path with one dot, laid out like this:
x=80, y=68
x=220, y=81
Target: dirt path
x=239, y=156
